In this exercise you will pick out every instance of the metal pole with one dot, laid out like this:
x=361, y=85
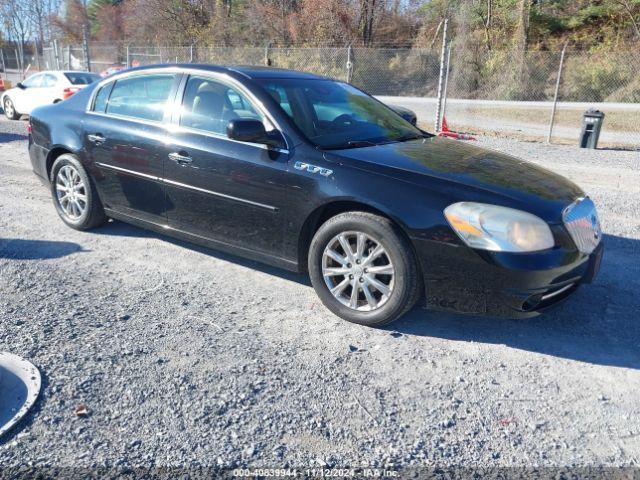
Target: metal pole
x=55, y=54
x=349, y=64
x=128, y=58
x=69, y=57
x=37, y=55
x=446, y=83
x=18, y=62
x=4, y=66
x=555, y=95
x=85, y=45
x=267, y=60
x=191, y=53
x=438, y=119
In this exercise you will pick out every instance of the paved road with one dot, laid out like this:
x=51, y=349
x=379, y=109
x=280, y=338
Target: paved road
x=188, y=357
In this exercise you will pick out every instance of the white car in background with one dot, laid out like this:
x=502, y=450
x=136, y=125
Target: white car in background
x=41, y=89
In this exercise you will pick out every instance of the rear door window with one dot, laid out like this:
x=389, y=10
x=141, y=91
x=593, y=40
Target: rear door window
x=49, y=80
x=144, y=97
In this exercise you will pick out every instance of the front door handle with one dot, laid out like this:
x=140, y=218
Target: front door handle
x=96, y=138
x=180, y=159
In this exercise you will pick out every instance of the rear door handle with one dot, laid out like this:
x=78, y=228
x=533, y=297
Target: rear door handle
x=180, y=159
x=96, y=138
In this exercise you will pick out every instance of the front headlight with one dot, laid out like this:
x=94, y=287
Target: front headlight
x=499, y=229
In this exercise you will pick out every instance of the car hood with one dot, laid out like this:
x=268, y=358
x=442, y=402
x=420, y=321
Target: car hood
x=475, y=173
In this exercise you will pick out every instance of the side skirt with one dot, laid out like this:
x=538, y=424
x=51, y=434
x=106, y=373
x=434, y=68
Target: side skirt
x=279, y=262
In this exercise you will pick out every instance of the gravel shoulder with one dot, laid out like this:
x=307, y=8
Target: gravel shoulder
x=189, y=357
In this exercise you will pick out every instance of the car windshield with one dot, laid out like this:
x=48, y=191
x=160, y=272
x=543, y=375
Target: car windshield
x=81, y=78
x=335, y=115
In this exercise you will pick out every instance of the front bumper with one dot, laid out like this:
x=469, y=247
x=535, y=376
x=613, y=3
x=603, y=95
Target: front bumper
x=459, y=279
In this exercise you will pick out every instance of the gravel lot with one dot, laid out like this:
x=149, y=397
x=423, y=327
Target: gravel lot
x=187, y=357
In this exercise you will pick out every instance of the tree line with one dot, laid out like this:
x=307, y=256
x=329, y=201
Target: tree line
x=477, y=24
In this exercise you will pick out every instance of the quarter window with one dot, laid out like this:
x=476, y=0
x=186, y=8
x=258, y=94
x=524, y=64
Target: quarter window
x=209, y=105
x=143, y=97
x=100, y=102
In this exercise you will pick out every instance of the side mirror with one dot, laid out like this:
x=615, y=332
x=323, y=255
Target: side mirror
x=21, y=86
x=246, y=130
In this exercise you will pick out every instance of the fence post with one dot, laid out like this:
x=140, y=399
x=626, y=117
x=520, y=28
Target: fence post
x=55, y=54
x=85, y=46
x=446, y=83
x=191, y=53
x=349, y=64
x=267, y=60
x=555, y=95
x=4, y=66
x=69, y=57
x=37, y=55
x=128, y=58
x=19, y=62
x=438, y=119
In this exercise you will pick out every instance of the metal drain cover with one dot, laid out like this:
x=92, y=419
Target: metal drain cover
x=19, y=389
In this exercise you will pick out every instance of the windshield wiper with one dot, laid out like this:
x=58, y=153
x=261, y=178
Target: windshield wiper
x=350, y=144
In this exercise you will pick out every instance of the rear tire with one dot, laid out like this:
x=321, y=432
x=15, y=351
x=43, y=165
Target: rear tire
x=9, y=109
x=373, y=284
x=74, y=194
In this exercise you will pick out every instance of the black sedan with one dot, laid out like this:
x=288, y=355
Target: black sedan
x=312, y=174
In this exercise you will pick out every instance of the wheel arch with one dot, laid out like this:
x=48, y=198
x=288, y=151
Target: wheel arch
x=335, y=207
x=53, y=155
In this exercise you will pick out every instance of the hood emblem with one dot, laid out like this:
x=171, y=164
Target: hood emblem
x=325, y=172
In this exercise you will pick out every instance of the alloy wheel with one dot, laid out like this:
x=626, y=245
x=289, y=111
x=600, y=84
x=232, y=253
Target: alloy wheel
x=71, y=192
x=8, y=108
x=358, y=271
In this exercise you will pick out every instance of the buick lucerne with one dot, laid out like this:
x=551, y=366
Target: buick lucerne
x=313, y=175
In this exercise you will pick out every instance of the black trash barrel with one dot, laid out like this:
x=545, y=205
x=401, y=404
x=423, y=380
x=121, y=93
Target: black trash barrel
x=591, y=127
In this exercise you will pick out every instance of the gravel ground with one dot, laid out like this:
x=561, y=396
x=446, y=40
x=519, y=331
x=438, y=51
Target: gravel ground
x=187, y=357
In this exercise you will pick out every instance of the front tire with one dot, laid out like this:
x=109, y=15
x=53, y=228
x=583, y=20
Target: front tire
x=10, y=109
x=74, y=194
x=363, y=269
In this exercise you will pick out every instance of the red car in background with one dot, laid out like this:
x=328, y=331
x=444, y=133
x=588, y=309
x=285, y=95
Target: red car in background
x=113, y=69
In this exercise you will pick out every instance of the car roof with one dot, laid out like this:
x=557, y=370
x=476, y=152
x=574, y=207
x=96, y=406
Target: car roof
x=253, y=72
x=61, y=72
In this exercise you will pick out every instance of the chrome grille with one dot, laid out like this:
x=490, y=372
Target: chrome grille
x=581, y=220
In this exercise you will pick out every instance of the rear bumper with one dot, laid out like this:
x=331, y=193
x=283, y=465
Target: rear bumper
x=38, y=156
x=462, y=280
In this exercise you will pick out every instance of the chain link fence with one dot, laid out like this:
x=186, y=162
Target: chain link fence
x=496, y=94
x=487, y=93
